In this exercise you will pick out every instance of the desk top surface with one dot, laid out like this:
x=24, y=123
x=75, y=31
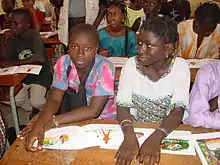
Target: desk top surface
x=91, y=156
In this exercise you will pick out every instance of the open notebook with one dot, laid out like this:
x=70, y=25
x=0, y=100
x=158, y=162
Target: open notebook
x=30, y=69
x=110, y=136
x=208, y=148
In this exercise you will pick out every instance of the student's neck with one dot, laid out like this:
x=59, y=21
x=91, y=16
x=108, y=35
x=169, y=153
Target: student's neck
x=117, y=30
x=159, y=65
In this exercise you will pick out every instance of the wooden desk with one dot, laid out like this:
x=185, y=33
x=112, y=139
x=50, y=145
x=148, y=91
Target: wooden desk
x=92, y=156
x=13, y=81
x=193, y=72
x=54, y=40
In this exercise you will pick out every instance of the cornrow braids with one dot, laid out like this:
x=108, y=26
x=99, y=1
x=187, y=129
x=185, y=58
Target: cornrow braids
x=120, y=4
x=163, y=27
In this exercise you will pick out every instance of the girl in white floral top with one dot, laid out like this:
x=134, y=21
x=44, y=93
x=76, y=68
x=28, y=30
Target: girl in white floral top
x=153, y=87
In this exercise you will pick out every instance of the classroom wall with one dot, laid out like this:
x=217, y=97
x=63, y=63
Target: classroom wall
x=195, y=3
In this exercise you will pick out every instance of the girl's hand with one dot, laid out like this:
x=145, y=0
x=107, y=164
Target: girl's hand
x=24, y=132
x=9, y=34
x=36, y=133
x=149, y=153
x=127, y=151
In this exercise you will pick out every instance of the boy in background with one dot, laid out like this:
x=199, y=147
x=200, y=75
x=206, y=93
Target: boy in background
x=24, y=46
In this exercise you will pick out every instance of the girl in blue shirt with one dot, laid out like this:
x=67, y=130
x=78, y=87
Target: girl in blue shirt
x=116, y=39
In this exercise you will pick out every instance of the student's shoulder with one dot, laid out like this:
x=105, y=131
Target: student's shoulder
x=64, y=60
x=185, y=24
x=102, y=30
x=211, y=67
x=181, y=63
x=33, y=33
x=217, y=29
x=130, y=63
x=103, y=61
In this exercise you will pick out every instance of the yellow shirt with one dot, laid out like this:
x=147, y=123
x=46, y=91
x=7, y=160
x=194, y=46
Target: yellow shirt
x=132, y=15
x=209, y=47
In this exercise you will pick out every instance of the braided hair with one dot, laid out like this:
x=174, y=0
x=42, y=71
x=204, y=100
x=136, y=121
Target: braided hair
x=120, y=4
x=163, y=27
x=208, y=13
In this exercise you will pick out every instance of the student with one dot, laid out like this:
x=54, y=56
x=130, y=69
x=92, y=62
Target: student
x=76, y=12
x=103, y=5
x=116, y=39
x=157, y=92
x=204, y=101
x=7, y=6
x=40, y=6
x=26, y=47
x=82, y=71
x=178, y=10
x=134, y=11
x=151, y=8
x=199, y=37
x=37, y=15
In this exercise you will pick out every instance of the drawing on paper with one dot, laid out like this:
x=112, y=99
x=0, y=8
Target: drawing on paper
x=51, y=141
x=174, y=144
x=211, y=150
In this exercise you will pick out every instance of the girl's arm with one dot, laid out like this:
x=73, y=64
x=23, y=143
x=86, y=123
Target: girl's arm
x=100, y=16
x=91, y=111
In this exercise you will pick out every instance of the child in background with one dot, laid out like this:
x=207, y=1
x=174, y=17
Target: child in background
x=24, y=46
x=7, y=6
x=134, y=11
x=116, y=39
x=82, y=66
x=37, y=16
x=151, y=8
x=200, y=37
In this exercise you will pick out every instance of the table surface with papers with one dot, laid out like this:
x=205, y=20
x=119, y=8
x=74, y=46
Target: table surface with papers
x=90, y=156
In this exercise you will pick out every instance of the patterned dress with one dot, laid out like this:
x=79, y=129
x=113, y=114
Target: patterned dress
x=100, y=81
x=151, y=101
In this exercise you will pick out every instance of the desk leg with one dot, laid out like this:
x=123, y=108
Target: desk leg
x=14, y=109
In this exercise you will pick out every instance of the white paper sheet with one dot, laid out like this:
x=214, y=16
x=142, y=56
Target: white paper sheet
x=30, y=69
x=110, y=136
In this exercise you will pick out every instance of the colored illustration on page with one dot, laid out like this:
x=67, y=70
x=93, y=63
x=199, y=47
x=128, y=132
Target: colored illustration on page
x=211, y=150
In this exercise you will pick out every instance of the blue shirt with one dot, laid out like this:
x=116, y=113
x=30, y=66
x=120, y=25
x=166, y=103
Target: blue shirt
x=116, y=45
